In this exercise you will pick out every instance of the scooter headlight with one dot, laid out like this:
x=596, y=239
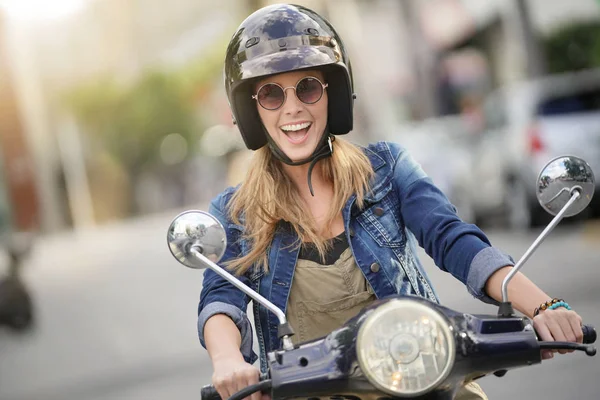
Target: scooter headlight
x=406, y=348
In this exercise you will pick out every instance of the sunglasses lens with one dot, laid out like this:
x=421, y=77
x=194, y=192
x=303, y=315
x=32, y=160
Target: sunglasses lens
x=309, y=90
x=270, y=96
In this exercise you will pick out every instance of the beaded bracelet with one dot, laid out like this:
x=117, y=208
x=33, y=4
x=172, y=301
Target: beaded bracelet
x=559, y=304
x=551, y=305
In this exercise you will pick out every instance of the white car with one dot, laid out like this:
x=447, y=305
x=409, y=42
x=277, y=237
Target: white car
x=527, y=124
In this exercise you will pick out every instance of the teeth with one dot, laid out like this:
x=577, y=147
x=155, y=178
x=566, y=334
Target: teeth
x=295, y=127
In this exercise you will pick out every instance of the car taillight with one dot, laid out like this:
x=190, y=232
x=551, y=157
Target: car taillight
x=535, y=142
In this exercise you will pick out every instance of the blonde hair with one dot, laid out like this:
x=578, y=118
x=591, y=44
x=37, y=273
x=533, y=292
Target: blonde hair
x=267, y=195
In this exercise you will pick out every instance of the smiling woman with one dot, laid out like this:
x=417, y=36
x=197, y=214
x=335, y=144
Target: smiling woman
x=41, y=9
x=321, y=255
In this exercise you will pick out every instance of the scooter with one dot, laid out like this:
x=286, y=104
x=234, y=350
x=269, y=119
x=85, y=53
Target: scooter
x=16, y=306
x=403, y=346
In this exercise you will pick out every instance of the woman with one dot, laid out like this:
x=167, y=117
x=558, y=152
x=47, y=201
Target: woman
x=322, y=227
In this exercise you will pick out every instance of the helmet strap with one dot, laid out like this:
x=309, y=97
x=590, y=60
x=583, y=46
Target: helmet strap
x=324, y=149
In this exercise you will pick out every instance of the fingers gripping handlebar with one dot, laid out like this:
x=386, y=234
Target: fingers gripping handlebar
x=208, y=392
x=589, y=336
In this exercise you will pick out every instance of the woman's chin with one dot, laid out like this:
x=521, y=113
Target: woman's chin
x=299, y=153
x=296, y=155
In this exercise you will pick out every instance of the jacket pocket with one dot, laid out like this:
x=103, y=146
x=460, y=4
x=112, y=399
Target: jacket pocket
x=381, y=218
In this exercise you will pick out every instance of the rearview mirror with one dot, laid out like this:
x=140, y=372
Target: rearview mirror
x=200, y=231
x=559, y=179
x=565, y=187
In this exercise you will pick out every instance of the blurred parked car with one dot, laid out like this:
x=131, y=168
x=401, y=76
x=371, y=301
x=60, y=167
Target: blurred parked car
x=527, y=124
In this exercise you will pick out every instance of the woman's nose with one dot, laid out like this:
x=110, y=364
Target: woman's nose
x=291, y=103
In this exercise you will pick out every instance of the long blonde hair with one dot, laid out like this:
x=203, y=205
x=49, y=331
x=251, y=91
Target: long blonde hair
x=267, y=195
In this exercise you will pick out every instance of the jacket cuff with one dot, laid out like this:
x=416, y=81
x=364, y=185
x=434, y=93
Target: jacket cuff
x=484, y=264
x=238, y=317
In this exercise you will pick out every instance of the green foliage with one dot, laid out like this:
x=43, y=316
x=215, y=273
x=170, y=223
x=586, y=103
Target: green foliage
x=573, y=47
x=130, y=123
x=153, y=109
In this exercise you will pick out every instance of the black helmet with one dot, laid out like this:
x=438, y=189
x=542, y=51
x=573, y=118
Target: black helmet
x=282, y=38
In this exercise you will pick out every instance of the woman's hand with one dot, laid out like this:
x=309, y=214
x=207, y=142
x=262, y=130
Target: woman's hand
x=560, y=325
x=232, y=375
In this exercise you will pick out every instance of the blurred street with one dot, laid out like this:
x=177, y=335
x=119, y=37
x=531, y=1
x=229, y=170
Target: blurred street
x=116, y=316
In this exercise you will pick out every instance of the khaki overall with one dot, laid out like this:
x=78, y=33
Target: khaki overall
x=323, y=297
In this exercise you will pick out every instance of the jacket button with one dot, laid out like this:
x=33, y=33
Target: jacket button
x=374, y=267
x=352, y=233
x=378, y=211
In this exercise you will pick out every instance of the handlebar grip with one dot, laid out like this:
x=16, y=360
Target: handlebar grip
x=209, y=392
x=589, y=334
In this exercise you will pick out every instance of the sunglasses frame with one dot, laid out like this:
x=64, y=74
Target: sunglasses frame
x=284, y=89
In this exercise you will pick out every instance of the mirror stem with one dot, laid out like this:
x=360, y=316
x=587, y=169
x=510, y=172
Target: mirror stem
x=287, y=342
x=575, y=195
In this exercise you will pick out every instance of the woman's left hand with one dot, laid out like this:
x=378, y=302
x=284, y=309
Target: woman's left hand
x=560, y=325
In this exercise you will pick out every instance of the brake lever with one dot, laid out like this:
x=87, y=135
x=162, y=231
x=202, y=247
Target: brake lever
x=589, y=349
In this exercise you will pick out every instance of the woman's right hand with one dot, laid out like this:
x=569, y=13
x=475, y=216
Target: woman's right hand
x=232, y=374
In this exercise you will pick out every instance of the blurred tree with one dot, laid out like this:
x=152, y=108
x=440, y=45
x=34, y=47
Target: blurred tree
x=131, y=123
x=573, y=47
x=153, y=109
x=136, y=124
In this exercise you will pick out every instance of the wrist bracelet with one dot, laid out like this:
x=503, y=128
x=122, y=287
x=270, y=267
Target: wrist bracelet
x=559, y=304
x=551, y=305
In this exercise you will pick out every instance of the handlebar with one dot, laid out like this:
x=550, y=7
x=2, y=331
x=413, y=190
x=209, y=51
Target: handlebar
x=208, y=392
x=589, y=334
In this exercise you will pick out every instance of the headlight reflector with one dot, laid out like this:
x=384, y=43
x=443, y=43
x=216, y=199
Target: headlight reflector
x=406, y=348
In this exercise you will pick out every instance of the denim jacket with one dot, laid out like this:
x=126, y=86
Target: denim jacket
x=402, y=208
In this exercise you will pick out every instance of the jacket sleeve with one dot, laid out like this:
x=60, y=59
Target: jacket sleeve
x=219, y=296
x=455, y=246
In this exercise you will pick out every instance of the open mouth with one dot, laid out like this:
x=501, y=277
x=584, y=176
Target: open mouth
x=296, y=133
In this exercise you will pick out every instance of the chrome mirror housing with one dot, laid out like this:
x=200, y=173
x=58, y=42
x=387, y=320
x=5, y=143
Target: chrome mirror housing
x=199, y=231
x=559, y=179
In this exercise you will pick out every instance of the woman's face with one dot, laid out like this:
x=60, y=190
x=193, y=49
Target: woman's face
x=295, y=127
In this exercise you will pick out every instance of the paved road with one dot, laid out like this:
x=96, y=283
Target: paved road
x=116, y=317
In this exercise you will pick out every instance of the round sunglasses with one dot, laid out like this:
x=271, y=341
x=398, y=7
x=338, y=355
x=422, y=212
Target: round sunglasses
x=272, y=96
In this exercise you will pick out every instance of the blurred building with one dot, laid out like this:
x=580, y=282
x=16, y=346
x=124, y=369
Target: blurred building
x=19, y=203
x=506, y=34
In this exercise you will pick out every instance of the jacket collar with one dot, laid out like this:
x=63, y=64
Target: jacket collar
x=376, y=160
